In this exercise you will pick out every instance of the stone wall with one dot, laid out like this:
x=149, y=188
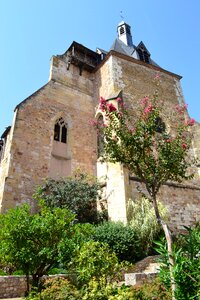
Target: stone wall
x=136, y=80
x=181, y=200
x=31, y=145
x=12, y=286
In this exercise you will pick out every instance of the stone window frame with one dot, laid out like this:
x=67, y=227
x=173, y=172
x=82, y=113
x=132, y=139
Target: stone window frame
x=61, y=131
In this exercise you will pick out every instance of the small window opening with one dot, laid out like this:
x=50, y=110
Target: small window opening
x=160, y=125
x=60, y=131
x=121, y=30
x=143, y=55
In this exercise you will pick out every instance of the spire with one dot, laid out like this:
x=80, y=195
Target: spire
x=124, y=33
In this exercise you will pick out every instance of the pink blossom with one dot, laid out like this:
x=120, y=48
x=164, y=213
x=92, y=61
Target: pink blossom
x=119, y=99
x=181, y=108
x=184, y=146
x=144, y=100
x=102, y=105
x=168, y=141
x=148, y=109
x=111, y=107
x=190, y=122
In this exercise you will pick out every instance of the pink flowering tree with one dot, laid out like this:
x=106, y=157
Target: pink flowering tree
x=151, y=150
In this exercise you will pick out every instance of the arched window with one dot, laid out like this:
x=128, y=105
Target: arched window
x=60, y=131
x=100, y=137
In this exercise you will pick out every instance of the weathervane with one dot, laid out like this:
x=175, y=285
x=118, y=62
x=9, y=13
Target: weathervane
x=121, y=15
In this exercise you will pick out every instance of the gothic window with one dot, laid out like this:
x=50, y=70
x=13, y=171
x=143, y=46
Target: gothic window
x=60, y=131
x=100, y=137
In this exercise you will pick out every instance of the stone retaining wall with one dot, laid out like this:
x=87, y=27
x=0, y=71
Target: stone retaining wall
x=12, y=286
x=15, y=286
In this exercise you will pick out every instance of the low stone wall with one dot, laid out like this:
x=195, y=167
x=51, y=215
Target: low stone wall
x=139, y=278
x=15, y=286
x=12, y=286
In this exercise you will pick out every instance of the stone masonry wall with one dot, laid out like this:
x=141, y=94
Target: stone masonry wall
x=12, y=286
x=136, y=80
x=34, y=128
x=181, y=201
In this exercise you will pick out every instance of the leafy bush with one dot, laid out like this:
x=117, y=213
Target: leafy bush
x=59, y=289
x=101, y=290
x=187, y=265
x=3, y=273
x=63, y=289
x=78, y=194
x=141, y=218
x=30, y=242
x=94, y=259
x=122, y=239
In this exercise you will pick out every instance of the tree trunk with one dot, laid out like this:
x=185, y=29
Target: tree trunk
x=169, y=241
x=27, y=285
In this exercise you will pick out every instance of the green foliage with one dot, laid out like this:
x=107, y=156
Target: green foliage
x=60, y=289
x=122, y=239
x=31, y=241
x=94, y=259
x=80, y=234
x=3, y=273
x=63, y=289
x=78, y=194
x=187, y=265
x=102, y=290
x=141, y=217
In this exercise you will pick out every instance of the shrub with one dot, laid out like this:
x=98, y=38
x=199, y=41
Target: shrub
x=141, y=218
x=78, y=194
x=187, y=265
x=121, y=238
x=101, y=290
x=94, y=259
x=59, y=289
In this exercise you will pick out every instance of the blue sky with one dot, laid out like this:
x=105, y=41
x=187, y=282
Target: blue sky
x=32, y=31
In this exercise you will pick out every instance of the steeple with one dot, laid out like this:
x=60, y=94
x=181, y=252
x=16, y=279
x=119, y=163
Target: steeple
x=124, y=33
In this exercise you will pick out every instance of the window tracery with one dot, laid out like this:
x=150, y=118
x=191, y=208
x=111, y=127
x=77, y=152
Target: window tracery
x=60, y=131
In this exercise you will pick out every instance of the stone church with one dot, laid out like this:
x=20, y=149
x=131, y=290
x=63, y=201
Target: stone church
x=51, y=133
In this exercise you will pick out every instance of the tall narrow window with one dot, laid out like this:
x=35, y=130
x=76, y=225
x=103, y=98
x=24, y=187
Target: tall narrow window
x=60, y=131
x=160, y=125
x=100, y=137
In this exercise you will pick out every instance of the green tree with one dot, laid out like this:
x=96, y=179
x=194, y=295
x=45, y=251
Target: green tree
x=151, y=151
x=31, y=241
x=77, y=193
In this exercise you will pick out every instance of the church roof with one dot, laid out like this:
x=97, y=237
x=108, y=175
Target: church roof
x=124, y=44
x=131, y=50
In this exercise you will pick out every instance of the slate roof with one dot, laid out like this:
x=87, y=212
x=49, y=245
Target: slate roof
x=120, y=47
